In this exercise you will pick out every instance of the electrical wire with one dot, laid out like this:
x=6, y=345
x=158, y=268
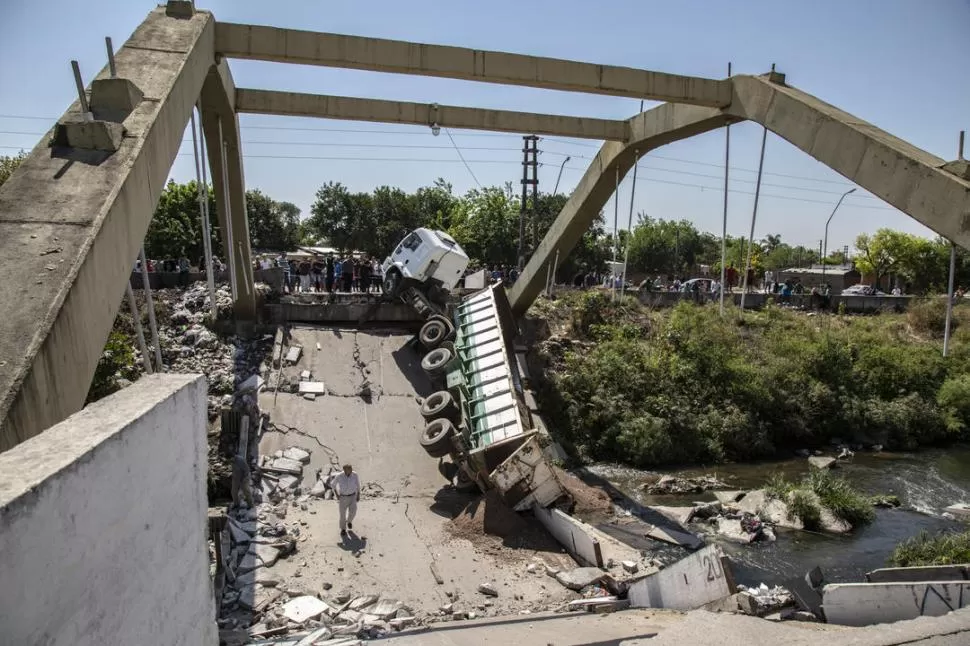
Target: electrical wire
x=462, y=157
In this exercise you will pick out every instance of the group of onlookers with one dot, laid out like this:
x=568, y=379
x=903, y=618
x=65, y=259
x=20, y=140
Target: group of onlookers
x=318, y=274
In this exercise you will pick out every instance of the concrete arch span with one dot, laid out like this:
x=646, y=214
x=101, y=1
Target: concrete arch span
x=906, y=177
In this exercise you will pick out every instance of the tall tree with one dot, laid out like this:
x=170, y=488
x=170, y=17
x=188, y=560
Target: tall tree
x=882, y=252
x=8, y=164
x=176, y=226
x=273, y=226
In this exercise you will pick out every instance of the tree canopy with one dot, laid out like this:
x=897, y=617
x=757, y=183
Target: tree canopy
x=8, y=164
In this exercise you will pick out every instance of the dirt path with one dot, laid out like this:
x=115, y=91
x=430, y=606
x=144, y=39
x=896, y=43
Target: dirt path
x=404, y=523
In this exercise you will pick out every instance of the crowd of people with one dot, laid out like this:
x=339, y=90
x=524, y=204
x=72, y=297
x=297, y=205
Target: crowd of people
x=328, y=274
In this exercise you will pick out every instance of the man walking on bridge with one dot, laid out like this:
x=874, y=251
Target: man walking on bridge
x=347, y=487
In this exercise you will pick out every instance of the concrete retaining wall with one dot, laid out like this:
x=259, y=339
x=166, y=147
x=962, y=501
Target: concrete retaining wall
x=103, y=523
x=572, y=534
x=691, y=582
x=864, y=604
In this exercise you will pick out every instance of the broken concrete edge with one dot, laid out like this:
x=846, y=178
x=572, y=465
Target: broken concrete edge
x=94, y=134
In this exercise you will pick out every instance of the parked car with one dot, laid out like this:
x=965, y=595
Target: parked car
x=703, y=285
x=862, y=290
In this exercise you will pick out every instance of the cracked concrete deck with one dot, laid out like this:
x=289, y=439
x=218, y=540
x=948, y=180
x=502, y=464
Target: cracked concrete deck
x=402, y=530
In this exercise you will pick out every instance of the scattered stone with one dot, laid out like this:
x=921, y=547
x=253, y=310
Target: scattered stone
x=447, y=608
x=551, y=570
x=488, y=589
x=579, y=578
x=305, y=375
x=288, y=482
x=351, y=616
x=680, y=515
x=731, y=529
x=293, y=354
x=673, y=484
x=818, y=462
x=315, y=637
x=301, y=609
x=309, y=397
x=343, y=596
x=630, y=567
x=399, y=623
x=256, y=599
x=829, y=523
x=706, y=509
x=265, y=554
x=531, y=568
x=761, y=600
x=386, y=609
x=886, y=502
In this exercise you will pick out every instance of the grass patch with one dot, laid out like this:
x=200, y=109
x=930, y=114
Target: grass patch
x=925, y=549
x=804, y=506
x=838, y=496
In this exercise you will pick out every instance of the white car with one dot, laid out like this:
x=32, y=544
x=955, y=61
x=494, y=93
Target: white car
x=430, y=258
x=862, y=290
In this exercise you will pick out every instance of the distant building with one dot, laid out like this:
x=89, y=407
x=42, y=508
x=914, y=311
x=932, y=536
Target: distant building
x=838, y=276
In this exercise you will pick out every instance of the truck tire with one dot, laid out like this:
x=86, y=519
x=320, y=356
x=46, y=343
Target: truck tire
x=439, y=404
x=433, y=332
x=436, y=437
x=436, y=361
x=392, y=282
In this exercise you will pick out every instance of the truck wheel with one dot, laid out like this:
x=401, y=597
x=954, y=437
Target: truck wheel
x=439, y=404
x=433, y=333
x=392, y=282
x=436, y=437
x=435, y=362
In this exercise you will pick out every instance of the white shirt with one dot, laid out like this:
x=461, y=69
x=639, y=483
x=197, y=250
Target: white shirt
x=346, y=485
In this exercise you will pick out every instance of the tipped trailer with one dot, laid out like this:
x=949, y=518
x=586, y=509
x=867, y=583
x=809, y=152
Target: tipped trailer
x=477, y=415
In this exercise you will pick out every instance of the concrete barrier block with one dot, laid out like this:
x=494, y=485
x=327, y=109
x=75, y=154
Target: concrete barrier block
x=864, y=604
x=75, y=132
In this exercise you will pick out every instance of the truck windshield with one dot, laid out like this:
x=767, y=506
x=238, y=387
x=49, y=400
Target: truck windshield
x=412, y=242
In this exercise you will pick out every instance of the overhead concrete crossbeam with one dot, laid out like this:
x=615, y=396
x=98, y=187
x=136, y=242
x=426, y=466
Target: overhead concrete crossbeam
x=257, y=42
x=908, y=178
x=358, y=109
x=914, y=181
x=73, y=221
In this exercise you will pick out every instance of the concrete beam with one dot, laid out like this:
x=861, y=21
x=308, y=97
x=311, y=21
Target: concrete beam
x=912, y=180
x=295, y=104
x=218, y=97
x=648, y=130
x=73, y=222
x=257, y=42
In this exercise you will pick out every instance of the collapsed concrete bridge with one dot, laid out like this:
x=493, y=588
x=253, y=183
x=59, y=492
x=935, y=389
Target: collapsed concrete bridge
x=76, y=212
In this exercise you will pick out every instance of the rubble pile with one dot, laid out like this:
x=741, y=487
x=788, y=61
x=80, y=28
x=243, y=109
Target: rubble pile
x=674, y=485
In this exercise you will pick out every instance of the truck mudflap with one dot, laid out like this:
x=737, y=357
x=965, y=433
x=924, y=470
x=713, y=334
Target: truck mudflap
x=526, y=477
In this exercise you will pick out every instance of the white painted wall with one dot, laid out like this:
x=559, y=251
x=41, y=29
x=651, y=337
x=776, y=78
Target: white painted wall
x=103, y=524
x=572, y=534
x=864, y=604
x=689, y=583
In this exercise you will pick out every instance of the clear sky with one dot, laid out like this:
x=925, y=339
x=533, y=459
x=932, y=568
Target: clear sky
x=900, y=64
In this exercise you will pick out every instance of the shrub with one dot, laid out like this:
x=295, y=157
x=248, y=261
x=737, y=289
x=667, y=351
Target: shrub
x=804, y=506
x=954, y=397
x=117, y=360
x=928, y=317
x=943, y=549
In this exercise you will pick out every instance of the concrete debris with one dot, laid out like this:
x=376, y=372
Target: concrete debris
x=732, y=529
x=293, y=354
x=630, y=566
x=761, y=600
x=309, y=397
x=314, y=387
x=257, y=598
x=727, y=497
x=286, y=465
x=314, y=638
x=673, y=484
x=385, y=609
x=298, y=454
x=288, y=482
x=305, y=375
x=400, y=623
x=817, y=462
x=267, y=555
x=680, y=515
x=351, y=616
x=447, y=609
x=364, y=601
x=253, y=384
x=301, y=609
x=531, y=568
x=488, y=589
x=706, y=509
x=579, y=578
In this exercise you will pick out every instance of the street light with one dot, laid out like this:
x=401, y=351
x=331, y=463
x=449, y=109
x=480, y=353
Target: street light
x=561, y=166
x=825, y=246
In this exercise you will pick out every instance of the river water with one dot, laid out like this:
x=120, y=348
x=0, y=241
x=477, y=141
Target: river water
x=925, y=482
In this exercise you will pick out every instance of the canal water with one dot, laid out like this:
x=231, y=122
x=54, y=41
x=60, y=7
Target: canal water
x=925, y=482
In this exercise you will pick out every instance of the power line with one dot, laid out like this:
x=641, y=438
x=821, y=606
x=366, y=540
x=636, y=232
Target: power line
x=462, y=157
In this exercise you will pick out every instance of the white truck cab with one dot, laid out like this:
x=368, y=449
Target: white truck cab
x=431, y=258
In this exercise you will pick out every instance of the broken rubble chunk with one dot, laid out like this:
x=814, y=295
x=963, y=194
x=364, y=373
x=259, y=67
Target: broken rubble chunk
x=579, y=578
x=303, y=608
x=819, y=462
x=351, y=616
x=488, y=589
x=385, y=608
x=447, y=608
x=364, y=601
x=298, y=454
x=732, y=530
x=293, y=354
x=309, y=397
x=399, y=623
x=728, y=497
x=315, y=387
x=305, y=375
x=289, y=482
x=315, y=637
x=286, y=465
x=267, y=555
x=630, y=566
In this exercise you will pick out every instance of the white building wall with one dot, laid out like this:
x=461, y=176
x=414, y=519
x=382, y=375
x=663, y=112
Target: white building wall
x=103, y=524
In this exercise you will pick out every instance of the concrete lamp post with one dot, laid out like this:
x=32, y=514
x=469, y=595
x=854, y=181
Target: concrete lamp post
x=561, y=166
x=825, y=245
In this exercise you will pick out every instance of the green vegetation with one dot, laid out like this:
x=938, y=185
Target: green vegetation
x=942, y=549
x=821, y=489
x=9, y=163
x=117, y=361
x=684, y=386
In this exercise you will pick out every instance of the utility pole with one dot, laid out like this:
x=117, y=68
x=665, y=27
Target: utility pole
x=820, y=259
x=530, y=148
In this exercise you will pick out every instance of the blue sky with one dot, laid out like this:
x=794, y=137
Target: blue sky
x=900, y=64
